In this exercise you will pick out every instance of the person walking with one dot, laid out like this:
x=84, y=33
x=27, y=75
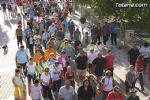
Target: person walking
x=145, y=52
x=66, y=92
x=19, y=35
x=18, y=86
x=133, y=95
x=116, y=94
x=107, y=84
x=133, y=54
x=99, y=65
x=46, y=82
x=85, y=92
x=22, y=58
x=114, y=29
x=130, y=79
x=139, y=68
x=110, y=61
x=81, y=64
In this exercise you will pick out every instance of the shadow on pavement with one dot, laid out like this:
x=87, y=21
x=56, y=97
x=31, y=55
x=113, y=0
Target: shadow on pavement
x=3, y=37
x=8, y=23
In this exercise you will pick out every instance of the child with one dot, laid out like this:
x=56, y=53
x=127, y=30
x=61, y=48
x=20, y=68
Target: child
x=36, y=91
x=70, y=76
x=18, y=85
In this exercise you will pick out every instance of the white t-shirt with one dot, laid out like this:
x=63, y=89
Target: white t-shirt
x=148, y=98
x=108, y=84
x=91, y=56
x=45, y=78
x=31, y=67
x=145, y=52
x=55, y=72
x=37, y=39
x=36, y=93
x=66, y=93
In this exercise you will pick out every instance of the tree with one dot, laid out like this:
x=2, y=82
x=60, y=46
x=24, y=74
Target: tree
x=135, y=17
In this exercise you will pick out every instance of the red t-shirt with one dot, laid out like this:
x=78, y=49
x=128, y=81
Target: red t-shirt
x=113, y=96
x=139, y=66
x=109, y=61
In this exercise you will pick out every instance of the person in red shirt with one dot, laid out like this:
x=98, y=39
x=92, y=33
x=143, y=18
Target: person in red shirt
x=98, y=32
x=70, y=76
x=139, y=68
x=109, y=61
x=116, y=94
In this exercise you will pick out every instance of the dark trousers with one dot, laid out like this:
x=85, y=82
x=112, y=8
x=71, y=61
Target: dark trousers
x=128, y=86
x=105, y=38
x=141, y=81
x=31, y=49
x=24, y=68
x=56, y=85
x=104, y=95
x=44, y=44
x=30, y=77
x=98, y=38
x=47, y=92
x=145, y=63
x=113, y=38
x=19, y=40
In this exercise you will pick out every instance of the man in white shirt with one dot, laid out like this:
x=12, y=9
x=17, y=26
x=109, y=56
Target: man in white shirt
x=91, y=56
x=145, y=52
x=66, y=92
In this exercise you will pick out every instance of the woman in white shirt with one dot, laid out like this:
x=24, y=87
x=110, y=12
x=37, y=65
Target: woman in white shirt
x=31, y=70
x=57, y=73
x=107, y=84
x=46, y=84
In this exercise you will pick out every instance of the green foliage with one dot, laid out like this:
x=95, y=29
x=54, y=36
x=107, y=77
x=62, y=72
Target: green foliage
x=137, y=17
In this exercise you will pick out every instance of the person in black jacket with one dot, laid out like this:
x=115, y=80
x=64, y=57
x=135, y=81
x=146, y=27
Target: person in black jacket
x=133, y=95
x=99, y=65
x=85, y=92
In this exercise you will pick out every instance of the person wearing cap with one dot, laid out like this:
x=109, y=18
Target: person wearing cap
x=107, y=83
x=56, y=74
x=133, y=95
x=91, y=56
x=22, y=58
x=46, y=82
x=51, y=42
x=48, y=51
x=51, y=60
x=116, y=94
x=66, y=92
x=99, y=65
x=70, y=76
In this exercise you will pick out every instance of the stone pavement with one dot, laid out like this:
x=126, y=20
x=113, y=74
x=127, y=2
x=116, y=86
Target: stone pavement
x=7, y=62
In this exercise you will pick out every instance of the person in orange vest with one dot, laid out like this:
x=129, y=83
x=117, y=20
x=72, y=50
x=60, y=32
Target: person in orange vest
x=48, y=51
x=37, y=56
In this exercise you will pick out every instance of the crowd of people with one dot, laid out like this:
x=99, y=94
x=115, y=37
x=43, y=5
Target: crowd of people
x=55, y=64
